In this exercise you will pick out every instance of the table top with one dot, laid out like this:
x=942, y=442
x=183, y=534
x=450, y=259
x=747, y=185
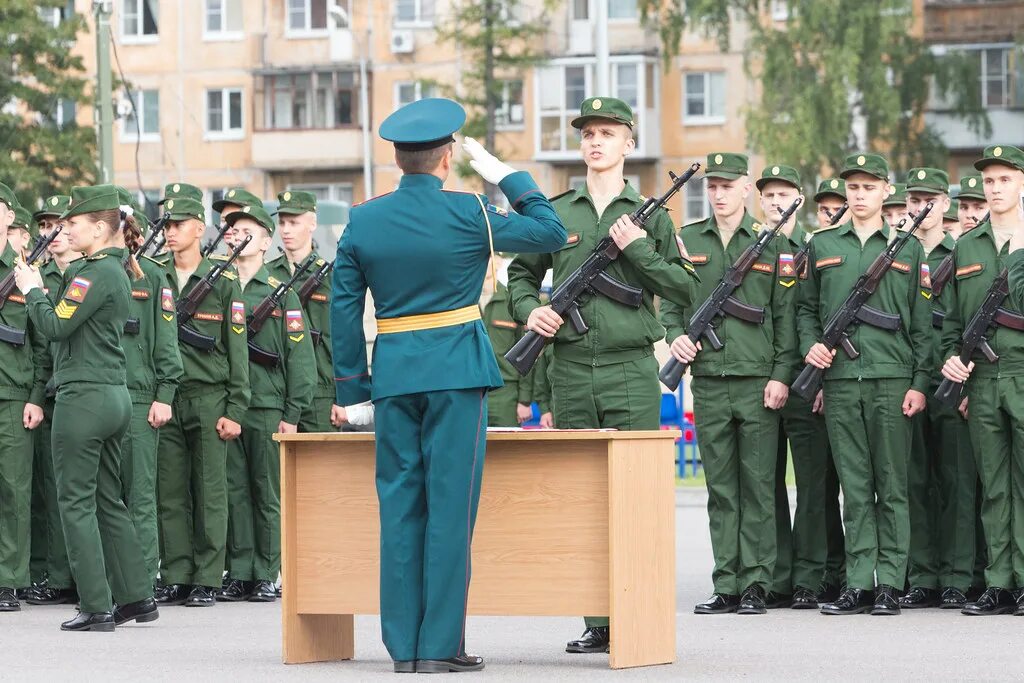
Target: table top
x=513, y=435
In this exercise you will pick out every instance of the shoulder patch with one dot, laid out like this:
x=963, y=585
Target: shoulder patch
x=830, y=261
x=293, y=321
x=64, y=310
x=763, y=267
x=167, y=300
x=926, y=276
x=77, y=290
x=140, y=294
x=786, y=267
x=900, y=266
x=970, y=269
x=237, y=312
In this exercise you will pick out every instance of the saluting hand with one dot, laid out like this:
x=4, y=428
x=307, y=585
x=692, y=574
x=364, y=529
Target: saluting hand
x=32, y=416
x=624, y=232
x=27, y=277
x=228, y=430
x=913, y=403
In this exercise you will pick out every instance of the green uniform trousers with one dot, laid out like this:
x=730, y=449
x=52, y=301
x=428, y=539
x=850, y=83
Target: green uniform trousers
x=501, y=406
x=870, y=439
x=996, y=425
x=430, y=460
x=254, y=499
x=138, y=483
x=942, y=480
x=622, y=396
x=810, y=550
x=15, y=495
x=317, y=418
x=89, y=423
x=47, y=532
x=192, y=496
x=738, y=439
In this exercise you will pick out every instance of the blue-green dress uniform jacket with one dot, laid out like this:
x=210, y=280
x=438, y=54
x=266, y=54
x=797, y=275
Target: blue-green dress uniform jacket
x=420, y=250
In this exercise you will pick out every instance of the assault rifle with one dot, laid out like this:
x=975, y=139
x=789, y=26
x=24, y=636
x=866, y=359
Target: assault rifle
x=854, y=310
x=939, y=281
x=212, y=244
x=308, y=289
x=189, y=304
x=800, y=257
x=591, y=278
x=721, y=302
x=132, y=325
x=12, y=335
x=264, y=310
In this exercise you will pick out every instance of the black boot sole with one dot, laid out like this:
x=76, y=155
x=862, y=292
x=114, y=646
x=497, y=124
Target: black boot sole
x=919, y=605
x=804, y=605
x=139, y=618
x=751, y=610
x=728, y=610
x=992, y=613
x=433, y=666
x=579, y=650
x=959, y=605
x=844, y=613
x=885, y=612
x=225, y=598
x=408, y=667
x=10, y=608
x=262, y=598
x=99, y=628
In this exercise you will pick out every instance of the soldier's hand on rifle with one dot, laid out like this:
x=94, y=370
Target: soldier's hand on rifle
x=32, y=416
x=491, y=168
x=819, y=356
x=684, y=349
x=818, y=407
x=524, y=413
x=228, y=430
x=27, y=277
x=544, y=321
x=775, y=394
x=913, y=403
x=624, y=232
x=955, y=371
x=159, y=415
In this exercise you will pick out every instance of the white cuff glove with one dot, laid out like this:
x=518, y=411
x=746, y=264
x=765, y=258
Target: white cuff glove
x=360, y=414
x=490, y=167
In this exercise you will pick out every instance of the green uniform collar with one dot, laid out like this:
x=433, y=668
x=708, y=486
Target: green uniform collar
x=799, y=235
x=747, y=225
x=262, y=275
x=628, y=192
x=420, y=180
x=847, y=228
x=947, y=242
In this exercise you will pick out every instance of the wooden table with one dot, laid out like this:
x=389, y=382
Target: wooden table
x=570, y=524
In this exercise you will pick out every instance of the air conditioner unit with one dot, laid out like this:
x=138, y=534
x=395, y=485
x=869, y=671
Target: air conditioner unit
x=402, y=42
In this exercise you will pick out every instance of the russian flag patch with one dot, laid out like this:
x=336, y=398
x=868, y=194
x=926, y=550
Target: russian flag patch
x=237, y=312
x=77, y=290
x=293, y=319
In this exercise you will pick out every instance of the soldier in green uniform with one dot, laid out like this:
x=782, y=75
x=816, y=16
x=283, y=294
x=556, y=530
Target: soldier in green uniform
x=508, y=406
x=971, y=203
x=433, y=366
x=738, y=390
x=951, y=219
x=92, y=413
x=296, y=217
x=236, y=199
x=24, y=369
x=868, y=400
x=894, y=208
x=209, y=407
x=23, y=230
x=47, y=532
x=607, y=377
x=941, y=475
x=281, y=390
x=995, y=389
x=803, y=545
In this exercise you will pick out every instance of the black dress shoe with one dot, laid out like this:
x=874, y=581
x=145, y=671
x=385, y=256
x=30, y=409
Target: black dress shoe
x=594, y=639
x=90, y=621
x=752, y=601
x=140, y=612
x=235, y=590
x=443, y=666
x=992, y=601
x=9, y=600
x=919, y=598
x=174, y=594
x=1019, y=612
x=718, y=603
x=887, y=601
x=850, y=601
x=201, y=596
x=804, y=598
x=405, y=667
x=775, y=600
x=952, y=598
x=830, y=593
x=264, y=592
x=52, y=596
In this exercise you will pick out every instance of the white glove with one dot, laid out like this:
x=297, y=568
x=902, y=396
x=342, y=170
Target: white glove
x=491, y=168
x=360, y=414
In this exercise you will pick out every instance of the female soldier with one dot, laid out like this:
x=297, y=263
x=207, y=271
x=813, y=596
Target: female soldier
x=92, y=412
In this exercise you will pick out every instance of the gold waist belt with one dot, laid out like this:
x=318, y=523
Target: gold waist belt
x=428, y=321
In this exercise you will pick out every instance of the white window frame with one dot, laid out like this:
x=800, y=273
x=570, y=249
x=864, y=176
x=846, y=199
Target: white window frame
x=222, y=35
x=128, y=133
x=419, y=21
x=706, y=119
x=419, y=87
x=506, y=104
x=225, y=99
x=308, y=31
x=137, y=38
x=702, y=184
x=1015, y=80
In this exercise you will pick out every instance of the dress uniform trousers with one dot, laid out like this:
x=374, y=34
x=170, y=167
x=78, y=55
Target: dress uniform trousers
x=501, y=406
x=870, y=440
x=89, y=423
x=254, y=499
x=15, y=495
x=430, y=459
x=623, y=396
x=192, y=491
x=138, y=483
x=47, y=532
x=810, y=551
x=738, y=440
x=997, y=436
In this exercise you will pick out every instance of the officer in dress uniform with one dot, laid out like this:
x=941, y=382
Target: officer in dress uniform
x=433, y=366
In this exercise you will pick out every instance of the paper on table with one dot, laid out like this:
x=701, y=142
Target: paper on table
x=520, y=429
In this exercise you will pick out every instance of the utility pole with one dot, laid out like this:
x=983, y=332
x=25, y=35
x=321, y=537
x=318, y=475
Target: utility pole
x=602, y=81
x=104, y=94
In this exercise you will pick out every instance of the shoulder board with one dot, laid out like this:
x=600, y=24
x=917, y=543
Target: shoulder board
x=95, y=257
x=560, y=195
x=146, y=257
x=825, y=229
x=367, y=201
x=229, y=275
x=273, y=281
x=454, y=191
x=218, y=257
x=694, y=224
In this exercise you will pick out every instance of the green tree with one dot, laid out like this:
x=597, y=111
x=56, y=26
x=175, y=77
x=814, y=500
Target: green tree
x=830, y=67
x=41, y=84
x=498, y=42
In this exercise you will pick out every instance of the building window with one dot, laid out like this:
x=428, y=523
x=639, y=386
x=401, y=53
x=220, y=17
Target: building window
x=148, y=201
x=626, y=84
x=223, y=18
x=318, y=99
x=333, y=192
x=704, y=98
x=410, y=91
x=623, y=9
x=580, y=10
x=54, y=16
x=306, y=16
x=140, y=19
x=509, y=112
x=63, y=113
x=224, y=113
x=697, y=207
x=998, y=89
x=147, y=126
x=414, y=11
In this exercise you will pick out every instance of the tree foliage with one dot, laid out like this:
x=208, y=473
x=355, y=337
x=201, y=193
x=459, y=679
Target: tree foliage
x=38, y=71
x=829, y=64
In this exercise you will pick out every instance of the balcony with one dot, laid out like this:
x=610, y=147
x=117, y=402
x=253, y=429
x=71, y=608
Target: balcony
x=965, y=21
x=280, y=150
x=1007, y=128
